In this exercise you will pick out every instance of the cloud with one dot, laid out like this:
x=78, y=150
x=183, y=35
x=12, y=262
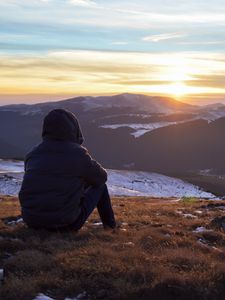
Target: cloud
x=104, y=72
x=142, y=82
x=162, y=37
x=202, y=43
x=83, y=3
x=212, y=80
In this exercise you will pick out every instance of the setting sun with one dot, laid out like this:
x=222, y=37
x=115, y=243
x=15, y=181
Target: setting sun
x=178, y=89
x=42, y=59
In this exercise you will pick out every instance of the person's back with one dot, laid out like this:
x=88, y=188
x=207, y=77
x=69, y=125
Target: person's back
x=57, y=173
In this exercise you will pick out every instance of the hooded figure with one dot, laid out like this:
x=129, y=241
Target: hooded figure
x=57, y=174
x=60, y=124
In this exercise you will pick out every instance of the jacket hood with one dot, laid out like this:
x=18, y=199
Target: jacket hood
x=61, y=124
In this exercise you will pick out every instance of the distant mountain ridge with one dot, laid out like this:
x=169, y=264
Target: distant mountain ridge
x=128, y=131
x=154, y=104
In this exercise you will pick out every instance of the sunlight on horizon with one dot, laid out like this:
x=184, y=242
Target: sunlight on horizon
x=157, y=48
x=98, y=73
x=178, y=89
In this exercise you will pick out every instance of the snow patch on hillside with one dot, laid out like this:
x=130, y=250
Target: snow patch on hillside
x=133, y=183
x=120, y=183
x=10, y=185
x=140, y=129
x=11, y=166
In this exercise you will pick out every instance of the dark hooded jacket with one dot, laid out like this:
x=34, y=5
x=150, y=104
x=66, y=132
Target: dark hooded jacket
x=57, y=172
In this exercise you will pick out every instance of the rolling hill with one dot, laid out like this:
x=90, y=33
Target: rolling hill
x=128, y=131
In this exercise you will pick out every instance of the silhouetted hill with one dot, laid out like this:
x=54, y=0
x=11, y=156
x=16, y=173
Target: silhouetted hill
x=187, y=146
x=8, y=150
x=128, y=131
x=184, y=147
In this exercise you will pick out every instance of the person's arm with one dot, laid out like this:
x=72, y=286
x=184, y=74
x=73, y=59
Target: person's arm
x=25, y=161
x=27, y=157
x=93, y=173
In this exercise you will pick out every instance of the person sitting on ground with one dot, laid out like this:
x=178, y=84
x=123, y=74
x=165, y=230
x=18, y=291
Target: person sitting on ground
x=62, y=184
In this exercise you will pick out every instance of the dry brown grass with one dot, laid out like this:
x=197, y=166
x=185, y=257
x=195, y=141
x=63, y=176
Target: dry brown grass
x=155, y=255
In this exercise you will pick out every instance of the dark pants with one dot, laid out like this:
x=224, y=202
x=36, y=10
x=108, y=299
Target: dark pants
x=95, y=197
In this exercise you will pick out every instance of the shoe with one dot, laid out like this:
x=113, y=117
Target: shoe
x=113, y=229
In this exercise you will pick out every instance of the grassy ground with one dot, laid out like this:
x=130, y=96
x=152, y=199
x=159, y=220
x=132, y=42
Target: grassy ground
x=155, y=254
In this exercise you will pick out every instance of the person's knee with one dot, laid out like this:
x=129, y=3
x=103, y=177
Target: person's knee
x=100, y=187
x=104, y=188
x=104, y=185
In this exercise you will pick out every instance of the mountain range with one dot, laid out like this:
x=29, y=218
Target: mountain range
x=128, y=131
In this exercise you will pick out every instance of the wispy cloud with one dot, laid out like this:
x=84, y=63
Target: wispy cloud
x=84, y=3
x=202, y=43
x=102, y=72
x=162, y=37
x=122, y=45
x=209, y=80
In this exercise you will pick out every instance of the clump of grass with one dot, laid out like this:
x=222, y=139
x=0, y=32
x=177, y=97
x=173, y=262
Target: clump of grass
x=189, y=200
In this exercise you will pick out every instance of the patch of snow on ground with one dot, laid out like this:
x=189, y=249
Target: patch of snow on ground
x=9, y=185
x=20, y=220
x=201, y=229
x=132, y=183
x=189, y=216
x=140, y=129
x=11, y=166
x=97, y=224
x=42, y=297
x=121, y=183
x=79, y=296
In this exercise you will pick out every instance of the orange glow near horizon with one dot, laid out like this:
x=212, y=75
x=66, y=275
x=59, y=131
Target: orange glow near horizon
x=93, y=47
x=74, y=73
x=178, y=90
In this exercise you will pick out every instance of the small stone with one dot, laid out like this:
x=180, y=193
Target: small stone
x=97, y=223
x=189, y=216
x=12, y=223
x=20, y=220
x=1, y=274
x=199, y=212
x=42, y=297
x=129, y=244
x=167, y=235
x=82, y=295
x=200, y=229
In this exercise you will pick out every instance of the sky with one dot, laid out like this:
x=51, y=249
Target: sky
x=55, y=49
